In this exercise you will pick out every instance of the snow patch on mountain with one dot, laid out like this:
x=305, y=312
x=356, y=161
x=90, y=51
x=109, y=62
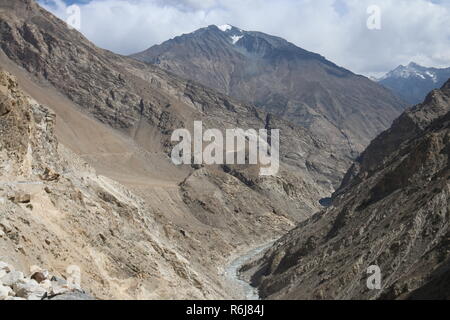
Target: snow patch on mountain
x=235, y=39
x=413, y=82
x=225, y=27
x=412, y=70
x=432, y=76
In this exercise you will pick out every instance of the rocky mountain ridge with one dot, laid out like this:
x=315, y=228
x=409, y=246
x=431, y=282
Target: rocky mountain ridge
x=392, y=211
x=345, y=109
x=413, y=82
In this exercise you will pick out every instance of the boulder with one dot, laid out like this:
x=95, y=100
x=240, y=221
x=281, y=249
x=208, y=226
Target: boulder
x=39, y=274
x=39, y=277
x=29, y=289
x=35, y=268
x=5, y=292
x=12, y=278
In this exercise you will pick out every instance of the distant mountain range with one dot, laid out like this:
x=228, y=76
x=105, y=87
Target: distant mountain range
x=345, y=109
x=413, y=82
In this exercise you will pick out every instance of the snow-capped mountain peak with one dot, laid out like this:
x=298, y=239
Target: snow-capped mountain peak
x=225, y=27
x=413, y=82
x=412, y=70
x=234, y=33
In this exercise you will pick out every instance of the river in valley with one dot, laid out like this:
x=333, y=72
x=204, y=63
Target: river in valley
x=232, y=272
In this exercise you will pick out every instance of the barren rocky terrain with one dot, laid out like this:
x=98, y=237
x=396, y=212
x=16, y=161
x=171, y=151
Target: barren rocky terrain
x=392, y=211
x=87, y=182
x=345, y=109
x=86, y=177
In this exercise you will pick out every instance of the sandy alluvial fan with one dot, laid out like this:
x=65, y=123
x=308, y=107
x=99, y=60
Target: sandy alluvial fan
x=86, y=181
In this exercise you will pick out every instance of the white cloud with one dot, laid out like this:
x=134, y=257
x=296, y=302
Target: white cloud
x=412, y=30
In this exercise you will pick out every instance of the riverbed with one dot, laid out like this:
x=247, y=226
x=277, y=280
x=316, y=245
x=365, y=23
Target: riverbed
x=232, y=272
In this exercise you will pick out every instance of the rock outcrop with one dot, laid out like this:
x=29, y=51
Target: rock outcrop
x=392, y=211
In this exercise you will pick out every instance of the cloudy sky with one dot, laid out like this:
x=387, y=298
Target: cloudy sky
x=411, y=30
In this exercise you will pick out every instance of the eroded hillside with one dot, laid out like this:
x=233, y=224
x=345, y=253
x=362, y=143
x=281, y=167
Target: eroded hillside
x=56, y=211
x=137, y=225
x=392, y=211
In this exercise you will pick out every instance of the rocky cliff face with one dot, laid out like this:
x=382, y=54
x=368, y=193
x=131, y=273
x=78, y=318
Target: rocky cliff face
x=391, y=211
x=57, y=212
x=413, y=82
x=345, y=109
x=89, y=135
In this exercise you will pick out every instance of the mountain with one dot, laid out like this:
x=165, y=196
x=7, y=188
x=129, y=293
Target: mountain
x=87, y=178
x=391, y=211
x=413, y=82
x=345, y=109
